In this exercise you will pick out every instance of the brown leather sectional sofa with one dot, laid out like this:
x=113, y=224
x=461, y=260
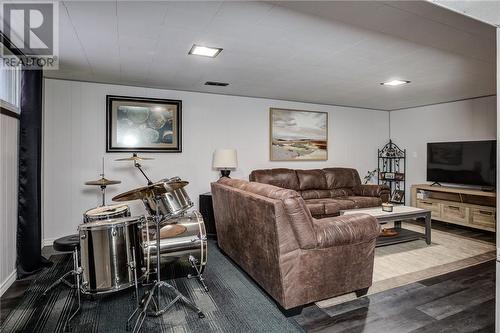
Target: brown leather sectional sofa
x=326, y=191
x=297, y=259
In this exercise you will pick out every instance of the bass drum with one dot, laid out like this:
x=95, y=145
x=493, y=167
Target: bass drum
x=109, y=252
x=106, y=213
x=184, y=236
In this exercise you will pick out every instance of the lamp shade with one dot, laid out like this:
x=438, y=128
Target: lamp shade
x=225, y=159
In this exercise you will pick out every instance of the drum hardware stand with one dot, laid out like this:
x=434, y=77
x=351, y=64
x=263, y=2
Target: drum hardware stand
x=133, y=266
x=160, y=287
x=103, y=183
x=138, y=166
x=193, y=261
x=76, y=272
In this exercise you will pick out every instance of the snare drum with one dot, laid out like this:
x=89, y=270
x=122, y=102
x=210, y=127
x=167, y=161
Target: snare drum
x=170, y=204
x=109, y=249
x=106, y=213
x=182, y=237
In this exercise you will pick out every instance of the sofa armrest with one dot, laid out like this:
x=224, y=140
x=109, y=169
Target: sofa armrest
x=381, y=191
x=345, y=230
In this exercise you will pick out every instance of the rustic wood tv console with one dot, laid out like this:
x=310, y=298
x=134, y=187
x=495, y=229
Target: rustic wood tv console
x=467, y=207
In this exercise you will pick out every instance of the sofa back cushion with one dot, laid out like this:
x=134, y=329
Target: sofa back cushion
x=311, y=179
x=338, y=178
x=285, y=178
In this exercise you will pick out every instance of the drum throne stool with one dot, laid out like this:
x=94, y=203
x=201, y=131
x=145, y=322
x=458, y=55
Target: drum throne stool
x=69, y=243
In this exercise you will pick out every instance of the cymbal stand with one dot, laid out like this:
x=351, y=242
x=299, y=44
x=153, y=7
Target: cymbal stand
x=103, y=187
x=138, y=166
x=161, y=288
x=103, y=194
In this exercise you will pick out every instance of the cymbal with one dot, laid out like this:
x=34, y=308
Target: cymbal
x=135, y=158
x=103, y=182
x=150, y=191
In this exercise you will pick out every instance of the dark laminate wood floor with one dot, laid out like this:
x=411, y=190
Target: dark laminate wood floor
x=461, y=301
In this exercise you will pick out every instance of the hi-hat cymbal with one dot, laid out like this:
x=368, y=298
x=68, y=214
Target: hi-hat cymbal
x=102, y=182
x=150, y=191
x=135, y=158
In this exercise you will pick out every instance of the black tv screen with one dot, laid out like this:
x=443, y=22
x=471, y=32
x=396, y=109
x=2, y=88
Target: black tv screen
x=467, y=162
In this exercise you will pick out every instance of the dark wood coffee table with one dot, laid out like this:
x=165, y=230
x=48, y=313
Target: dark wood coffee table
x=398, y=214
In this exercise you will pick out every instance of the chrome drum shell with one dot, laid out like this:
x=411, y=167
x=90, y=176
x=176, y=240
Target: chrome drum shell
x=192, y=241
x=107, y=254
x=170, y=204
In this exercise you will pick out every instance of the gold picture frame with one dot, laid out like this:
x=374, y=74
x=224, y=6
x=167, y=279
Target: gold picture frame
x=298, y=135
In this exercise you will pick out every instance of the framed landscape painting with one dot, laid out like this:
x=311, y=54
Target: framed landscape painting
x=136, y=124
x=298, y=135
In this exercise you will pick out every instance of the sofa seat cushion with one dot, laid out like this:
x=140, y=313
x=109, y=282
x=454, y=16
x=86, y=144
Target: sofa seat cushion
x=334, y=206
x=315, y=194
x=342, y=192
x=316, y=208
x=345, y=230
x=365, y=202
x=322, y=194
x=330, y=206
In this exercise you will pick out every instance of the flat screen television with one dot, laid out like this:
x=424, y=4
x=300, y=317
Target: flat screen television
x=465, y=163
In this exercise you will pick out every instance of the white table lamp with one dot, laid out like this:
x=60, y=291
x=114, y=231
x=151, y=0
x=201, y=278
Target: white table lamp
x=224, y=160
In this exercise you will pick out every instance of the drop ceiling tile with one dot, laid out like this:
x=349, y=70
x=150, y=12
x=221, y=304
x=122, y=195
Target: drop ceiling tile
x=327, y=52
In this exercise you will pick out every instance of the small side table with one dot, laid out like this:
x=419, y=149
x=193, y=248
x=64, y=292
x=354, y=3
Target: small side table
x=207, y=211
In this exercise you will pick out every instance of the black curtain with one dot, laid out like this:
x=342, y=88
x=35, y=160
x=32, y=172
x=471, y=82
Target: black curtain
x=29, y=227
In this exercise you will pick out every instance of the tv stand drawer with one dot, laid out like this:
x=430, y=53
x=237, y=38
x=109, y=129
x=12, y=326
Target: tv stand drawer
x=434, y=207
x=483, y=217
x=455, y=212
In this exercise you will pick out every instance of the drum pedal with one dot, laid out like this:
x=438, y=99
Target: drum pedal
x=194, y=262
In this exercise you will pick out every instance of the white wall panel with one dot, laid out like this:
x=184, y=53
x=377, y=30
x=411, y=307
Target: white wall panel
x=473, y=119
x=74, y=134
x=9, y=128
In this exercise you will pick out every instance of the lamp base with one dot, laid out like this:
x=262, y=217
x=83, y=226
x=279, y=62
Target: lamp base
x=225, y=173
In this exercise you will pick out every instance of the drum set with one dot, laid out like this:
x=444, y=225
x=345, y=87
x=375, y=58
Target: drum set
x=119, y=251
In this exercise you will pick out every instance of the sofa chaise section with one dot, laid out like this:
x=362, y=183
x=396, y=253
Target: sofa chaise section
x=297, y=259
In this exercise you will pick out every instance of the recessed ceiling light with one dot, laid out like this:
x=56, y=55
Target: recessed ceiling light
x=205, y=51
x=394, y=83
x=215, y=83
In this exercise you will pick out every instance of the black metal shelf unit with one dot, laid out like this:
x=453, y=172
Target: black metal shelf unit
x=392, y=169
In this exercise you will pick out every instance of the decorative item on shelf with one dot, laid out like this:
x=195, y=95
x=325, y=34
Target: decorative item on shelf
x=225, y=160
x=392, y=167
x=139, y=124
x=297, y=135
x=369, y=176
x=421, y=194
x=399, y=176
x=387, y=175
x=388, y=232
x=398, y=196
x=387, y=207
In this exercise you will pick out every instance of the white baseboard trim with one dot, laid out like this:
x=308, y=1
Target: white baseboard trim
x=8, y=282
x=48, y=242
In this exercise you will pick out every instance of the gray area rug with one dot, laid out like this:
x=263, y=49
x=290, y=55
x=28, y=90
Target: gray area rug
x=234, y=304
